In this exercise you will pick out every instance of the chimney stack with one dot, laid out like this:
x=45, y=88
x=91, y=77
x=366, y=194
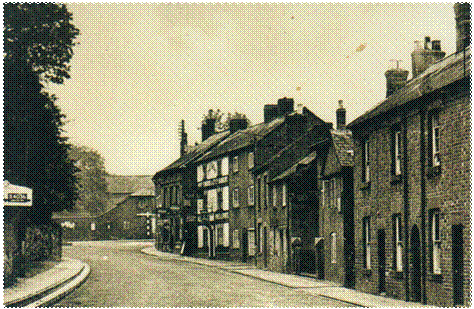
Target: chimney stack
x=341, y=117
x=237, y=124
x=270, y=112
x=422, y=58
x=184, y=139
x=396, y=78
x=462, y=12
x=208, y=128
x=285, y=106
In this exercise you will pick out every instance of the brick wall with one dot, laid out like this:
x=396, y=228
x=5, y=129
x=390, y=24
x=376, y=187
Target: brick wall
x=447, y=191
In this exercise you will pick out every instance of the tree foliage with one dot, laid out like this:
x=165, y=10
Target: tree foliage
x=91, y=179
x=38, y=41
x=222, y=123
x=39, y=36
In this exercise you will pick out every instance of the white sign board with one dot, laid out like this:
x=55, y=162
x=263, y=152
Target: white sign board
x=17, y=195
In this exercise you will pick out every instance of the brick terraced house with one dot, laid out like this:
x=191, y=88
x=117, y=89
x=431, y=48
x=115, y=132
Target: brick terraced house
x=226, y=207
x=175, y=188
x=412, y=176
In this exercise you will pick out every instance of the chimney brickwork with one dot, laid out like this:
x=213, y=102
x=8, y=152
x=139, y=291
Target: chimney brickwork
x=341, y=117
x=462, y=12
x=422, y=58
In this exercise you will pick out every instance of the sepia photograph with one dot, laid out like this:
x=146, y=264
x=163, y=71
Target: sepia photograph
x=224, y=154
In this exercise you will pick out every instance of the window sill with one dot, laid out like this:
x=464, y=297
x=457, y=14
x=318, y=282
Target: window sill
x=365, y=185
x=394, y=179
x=433, y=171
x=366, y=272
x=435, y=277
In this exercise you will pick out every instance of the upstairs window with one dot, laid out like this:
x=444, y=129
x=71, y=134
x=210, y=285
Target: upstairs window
x=220, y=200
x=235, y=164
x=236, y=197
x=250, y=195
x=435, y=131
x=366, y=165
x=397, y=152
x=266, y=190
x=251, y=160
x=200, y=173
x=283, y=195
x=259, y=184
x=274, y=196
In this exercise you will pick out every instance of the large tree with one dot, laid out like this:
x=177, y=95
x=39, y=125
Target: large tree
x=91, y=179
x=222, y=123
x=38, y=40
x=40, y=37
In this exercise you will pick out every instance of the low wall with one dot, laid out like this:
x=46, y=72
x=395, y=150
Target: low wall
x=41, y=242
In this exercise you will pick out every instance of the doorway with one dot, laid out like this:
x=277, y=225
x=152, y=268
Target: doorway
x=265, y=253
x=458, y=264
x=245, y=245
x=415, y=264
x=381, y=258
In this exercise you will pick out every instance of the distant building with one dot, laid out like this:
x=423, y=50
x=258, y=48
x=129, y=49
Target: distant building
x=131, y=218
x=128, y=197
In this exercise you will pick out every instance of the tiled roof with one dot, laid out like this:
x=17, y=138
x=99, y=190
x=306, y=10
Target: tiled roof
x=344, y=146
x=127, y=184
x=438, y=75
x=194, y=152
x=144, y=192
x=243, y=138
x=71, y=214
x=294, y=168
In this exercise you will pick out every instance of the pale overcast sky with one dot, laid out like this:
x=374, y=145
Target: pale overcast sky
x=141, y=68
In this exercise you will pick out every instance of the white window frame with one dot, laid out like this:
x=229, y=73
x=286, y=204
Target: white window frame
x=93, y=226
x=235, y=239
x=251, y=160
x=398, y=152
x=333, y=248
x=366, y=161
x=274, y=196
x=225, y=235
x=251, y=195
x=225, y=166
x=235, y=198
x=435, y=139
x=200, y=173
x=366, y=230
x=284, y=195
x=398, y=244
x=436, y=242
x=235, y=164
x=251, y=240
x=200, y=236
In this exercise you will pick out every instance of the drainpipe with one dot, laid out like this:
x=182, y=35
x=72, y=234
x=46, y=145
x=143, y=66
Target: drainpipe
x=406, y=210
x=423, y=203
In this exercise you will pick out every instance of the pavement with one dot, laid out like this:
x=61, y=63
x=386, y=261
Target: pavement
x=47, y=287
x=308, y=285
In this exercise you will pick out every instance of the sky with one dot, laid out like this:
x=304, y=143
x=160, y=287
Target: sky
x=138, y=69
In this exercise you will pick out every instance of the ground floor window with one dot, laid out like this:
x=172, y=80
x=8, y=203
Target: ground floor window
x=251, y=242
x=398, y=243
x=435, y=241
x=235, y=239
x=366, y=241
x=333, y=248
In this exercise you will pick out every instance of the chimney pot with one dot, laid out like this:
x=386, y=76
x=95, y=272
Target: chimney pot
x=396, y=79
x=423, y=58
x=436, y=45
x=341, y=117
x=237, y=124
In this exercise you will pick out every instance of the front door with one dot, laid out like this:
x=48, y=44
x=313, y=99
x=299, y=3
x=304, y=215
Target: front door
x=458, y=264
x=265, y=253
x=245, y=245
x=381, y=257
x=416, y=264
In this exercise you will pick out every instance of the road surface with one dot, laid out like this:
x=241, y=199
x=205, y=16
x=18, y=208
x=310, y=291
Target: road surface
x=122, y=276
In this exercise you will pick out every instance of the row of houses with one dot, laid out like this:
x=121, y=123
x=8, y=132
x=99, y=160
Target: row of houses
x=129, y=213
x=381, y=204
